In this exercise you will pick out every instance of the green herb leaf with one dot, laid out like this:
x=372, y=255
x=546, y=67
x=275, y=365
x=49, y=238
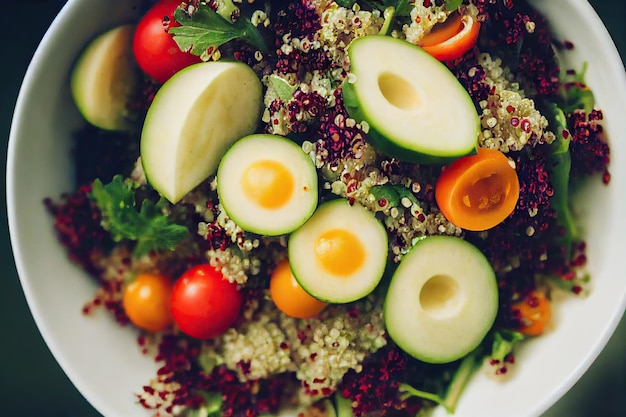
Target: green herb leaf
x=205, y=30
x=213, y=403
x=350, y=100
x=346, y=3
x=388, y=14
x=212, y=406
x=343, y=406
x=400, y=7
x=226, y=9
x=148, y=226
x=452, y=5
x=559, y=170
x=388, y=192
x=403, y=8
x=282, y=88
x=575, y=93
x=504, y=342
x=396, y=195
x=462, y=375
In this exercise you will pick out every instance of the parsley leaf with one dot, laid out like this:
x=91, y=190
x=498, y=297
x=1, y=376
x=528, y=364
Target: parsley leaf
x=148, y=226
x=205, y=30
x=282, y=88
x=452, y=5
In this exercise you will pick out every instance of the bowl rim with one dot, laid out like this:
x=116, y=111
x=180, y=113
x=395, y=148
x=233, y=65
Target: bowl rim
x=597, y=25
x=41, y=54
x=618, y=66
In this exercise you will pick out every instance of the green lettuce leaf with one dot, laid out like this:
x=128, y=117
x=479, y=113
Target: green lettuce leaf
x=559, y=170
x=574, y=92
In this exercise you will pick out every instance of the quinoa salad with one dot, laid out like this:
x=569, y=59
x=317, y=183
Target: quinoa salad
x=344, y=293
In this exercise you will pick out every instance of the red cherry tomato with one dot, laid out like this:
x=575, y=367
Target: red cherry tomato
x=155, y=50
x=204, y=304
x=146, y=302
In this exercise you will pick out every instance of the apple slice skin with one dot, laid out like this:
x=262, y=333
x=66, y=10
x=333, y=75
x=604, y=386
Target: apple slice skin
x=194, y=118
x=441, y=126
x=442, y=300
x=104, y=78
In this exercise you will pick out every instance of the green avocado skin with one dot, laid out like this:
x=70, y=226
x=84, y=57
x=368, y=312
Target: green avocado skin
x=387, y=145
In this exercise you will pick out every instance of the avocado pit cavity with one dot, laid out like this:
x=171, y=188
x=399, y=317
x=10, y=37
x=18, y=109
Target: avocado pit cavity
x=457, y=299
x=441, y=296
x=398, y=91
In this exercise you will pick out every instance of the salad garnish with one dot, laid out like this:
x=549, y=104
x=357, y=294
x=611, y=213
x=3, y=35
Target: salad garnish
x=204, y=30
x=125, y=219
x=339, y=207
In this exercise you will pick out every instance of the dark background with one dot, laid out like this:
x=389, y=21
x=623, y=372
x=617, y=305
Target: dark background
x=31, y=382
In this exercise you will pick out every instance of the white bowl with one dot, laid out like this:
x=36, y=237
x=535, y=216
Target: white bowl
x=103, y=361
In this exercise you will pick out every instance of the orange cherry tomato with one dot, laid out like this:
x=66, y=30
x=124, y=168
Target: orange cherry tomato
x=477, y=192
x=289, y=296
x=146, y=302
x=535, y=313
x=451, y=39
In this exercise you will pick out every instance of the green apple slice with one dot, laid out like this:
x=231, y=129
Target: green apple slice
x=442, y=300
x=194, y=118
x=104, y=78
x=415, y=107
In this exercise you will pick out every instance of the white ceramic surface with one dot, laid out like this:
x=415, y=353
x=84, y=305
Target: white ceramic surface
x=103, y=361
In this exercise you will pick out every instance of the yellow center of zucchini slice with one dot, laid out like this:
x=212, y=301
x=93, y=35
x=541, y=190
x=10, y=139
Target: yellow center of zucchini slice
x=340, y=252
x=268, y=183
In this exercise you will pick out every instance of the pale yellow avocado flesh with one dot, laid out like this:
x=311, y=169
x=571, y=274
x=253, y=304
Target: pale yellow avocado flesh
x=194, y=118
x=104, y=78
x=442, y=300
x=415, y=107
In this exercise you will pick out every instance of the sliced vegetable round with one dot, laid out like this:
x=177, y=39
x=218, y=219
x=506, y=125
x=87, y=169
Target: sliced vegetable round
x=146, y=302
x=204, y=304
x=442, y=300
x=267, y=184
x=477, y=192
x=416, y=109
x=155, y=50
x=289, y=296
x=339, y=255
x=453, y=38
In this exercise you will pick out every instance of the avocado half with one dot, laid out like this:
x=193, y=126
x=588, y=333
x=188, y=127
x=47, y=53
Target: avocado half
x=416, y=109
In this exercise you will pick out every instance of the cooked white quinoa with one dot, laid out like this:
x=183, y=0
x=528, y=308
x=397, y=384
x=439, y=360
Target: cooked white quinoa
x=509, y=119
x=320, y=350
x=341, y=25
